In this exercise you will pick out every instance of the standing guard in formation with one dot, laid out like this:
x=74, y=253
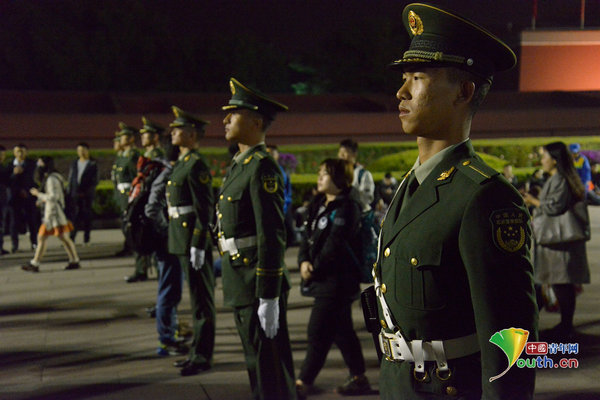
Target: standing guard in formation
x=251, y=236
x=190, y=203
x=454, y=275
x=150, y=139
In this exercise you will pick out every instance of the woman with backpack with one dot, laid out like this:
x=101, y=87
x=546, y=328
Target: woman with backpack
x=54, y=221
x=330, y=274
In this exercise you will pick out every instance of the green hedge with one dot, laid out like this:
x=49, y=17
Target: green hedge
x=379, y=158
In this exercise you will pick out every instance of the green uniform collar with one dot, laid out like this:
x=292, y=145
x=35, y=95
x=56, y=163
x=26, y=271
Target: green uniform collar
x=182, y=156
x=240, y=157
x=422, y=171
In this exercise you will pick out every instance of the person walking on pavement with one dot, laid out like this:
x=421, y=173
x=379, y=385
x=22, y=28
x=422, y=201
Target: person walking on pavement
x=169, y=269
x=363, y=179
x=54, y=221
x=251, y=235
x=190, y=202
x=4, y=197
x=454, y=276
x=82, y=182
x=329, y=274
x=22, y=209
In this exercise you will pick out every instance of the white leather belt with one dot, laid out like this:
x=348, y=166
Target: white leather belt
x=122, y=187
x=232, y=245
x=396, y=348
x=175, y=212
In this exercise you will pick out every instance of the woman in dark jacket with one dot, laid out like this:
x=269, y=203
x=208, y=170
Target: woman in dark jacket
x=561, y=265
x=329, y=271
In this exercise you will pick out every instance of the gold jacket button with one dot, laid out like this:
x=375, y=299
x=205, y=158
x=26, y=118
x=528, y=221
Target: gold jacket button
x=383, y=288
x=184, y=224
x=228, y=198
x=220, y=215
x=383, y=324
x=221, y=197
x=246, y=261
x=387, y=252
x=169, y=183
x=414, y=261
x=466, y=163
x=451, y=391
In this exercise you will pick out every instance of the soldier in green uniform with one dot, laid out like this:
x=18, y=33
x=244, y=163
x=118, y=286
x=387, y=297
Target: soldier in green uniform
x=190, y=203
x=125, y=170
x=251, y=235
x=453, y=276
x=150, y=139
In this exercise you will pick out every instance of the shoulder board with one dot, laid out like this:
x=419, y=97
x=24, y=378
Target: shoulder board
x=260, y=155
x=476, y=170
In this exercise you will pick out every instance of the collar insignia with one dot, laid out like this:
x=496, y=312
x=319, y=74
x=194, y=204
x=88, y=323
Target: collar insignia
x=445, y=175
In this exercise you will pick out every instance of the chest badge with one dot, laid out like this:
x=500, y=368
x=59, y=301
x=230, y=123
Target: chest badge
x=322, y=224
x=204, y=178
x=270, y=184
x=508, y=227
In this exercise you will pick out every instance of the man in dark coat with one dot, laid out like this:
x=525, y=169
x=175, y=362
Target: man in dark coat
x=22, y=208
x=454, y=275
x=4, y=195
x=83, y=178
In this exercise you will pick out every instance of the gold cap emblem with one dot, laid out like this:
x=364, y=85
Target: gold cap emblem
x=415, y=23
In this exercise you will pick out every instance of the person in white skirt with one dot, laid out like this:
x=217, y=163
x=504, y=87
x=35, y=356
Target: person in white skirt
x=54, y=221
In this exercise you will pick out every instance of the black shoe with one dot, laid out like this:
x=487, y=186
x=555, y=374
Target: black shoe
x=73, y=265
x=3, y=252
x=182, y=363
x=558, y=334
x=136, y=278
x=194, y=369
x=30, y=268
x=355, y=386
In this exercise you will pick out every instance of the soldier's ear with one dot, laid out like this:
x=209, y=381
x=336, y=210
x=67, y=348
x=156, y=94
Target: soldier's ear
x=466, y=91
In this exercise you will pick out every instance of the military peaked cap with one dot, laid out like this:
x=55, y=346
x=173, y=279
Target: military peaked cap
x=183, y=118
x=244, y=97
x=151, y=127
x=125, y=129
x=443, y=38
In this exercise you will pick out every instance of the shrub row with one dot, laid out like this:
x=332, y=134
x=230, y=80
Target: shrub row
x=379, y=158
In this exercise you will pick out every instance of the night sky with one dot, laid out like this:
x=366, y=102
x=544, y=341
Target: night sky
x=194, y=45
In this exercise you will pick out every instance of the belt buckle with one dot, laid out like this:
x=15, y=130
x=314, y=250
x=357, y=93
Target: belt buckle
x=387, y=348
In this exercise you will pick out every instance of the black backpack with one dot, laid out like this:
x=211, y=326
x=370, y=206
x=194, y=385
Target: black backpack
x=140, y=230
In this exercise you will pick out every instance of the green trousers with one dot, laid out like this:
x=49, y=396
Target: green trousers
x=269, y=361
x=202, y=298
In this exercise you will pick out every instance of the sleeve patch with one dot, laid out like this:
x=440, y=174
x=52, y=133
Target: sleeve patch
x=270, y=184
x=508, y=229
x=204, y=177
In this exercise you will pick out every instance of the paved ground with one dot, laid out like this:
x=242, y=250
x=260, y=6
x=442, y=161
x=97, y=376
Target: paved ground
x=85, y=335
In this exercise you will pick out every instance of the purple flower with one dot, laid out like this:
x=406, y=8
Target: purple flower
x=288, y=161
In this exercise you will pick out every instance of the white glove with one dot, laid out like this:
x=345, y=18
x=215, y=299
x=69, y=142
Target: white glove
x=268, y=315
x=197, y=258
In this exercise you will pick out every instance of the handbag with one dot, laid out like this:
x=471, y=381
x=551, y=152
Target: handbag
x=571, y=226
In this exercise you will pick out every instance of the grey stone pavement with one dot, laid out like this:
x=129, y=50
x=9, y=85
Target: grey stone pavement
x=84, y=334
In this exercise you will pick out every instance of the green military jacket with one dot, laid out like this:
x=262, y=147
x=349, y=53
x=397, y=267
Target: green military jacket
x=250, y=204
x=123, y=171
x=456, y=261
x=190, y=184
x=156, y=152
